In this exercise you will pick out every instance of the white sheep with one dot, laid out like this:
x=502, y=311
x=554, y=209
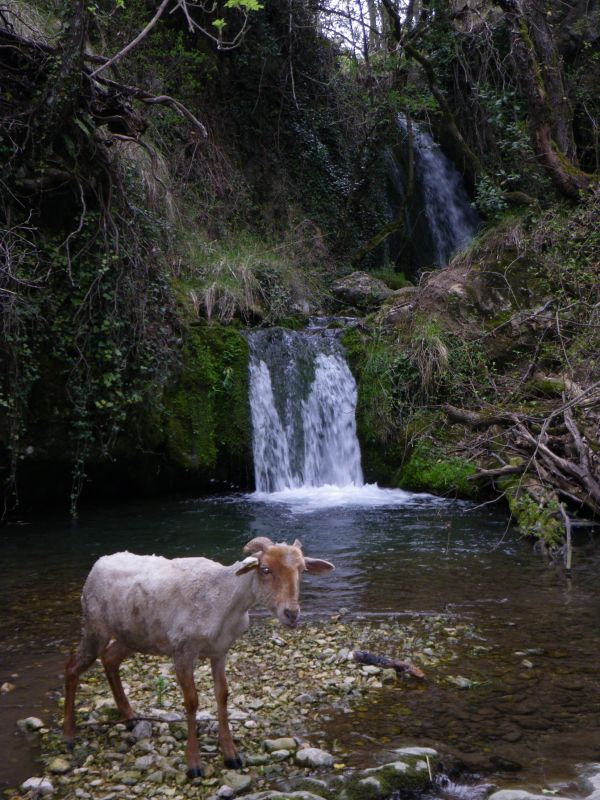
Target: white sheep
x=186, y=608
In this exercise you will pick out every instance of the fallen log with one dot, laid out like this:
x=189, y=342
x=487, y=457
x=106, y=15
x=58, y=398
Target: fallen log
x=401, y=667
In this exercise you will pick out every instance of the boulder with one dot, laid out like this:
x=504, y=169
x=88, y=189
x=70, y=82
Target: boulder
x=361, y=290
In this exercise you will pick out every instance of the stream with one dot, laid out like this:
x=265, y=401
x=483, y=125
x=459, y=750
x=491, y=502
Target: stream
x=532, y=712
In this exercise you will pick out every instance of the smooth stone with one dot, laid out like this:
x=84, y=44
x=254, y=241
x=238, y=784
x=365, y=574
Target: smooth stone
x=128, y=777
x=280, y=755
x=6, y=687
x=142, y=730
x=155, y=777
x=144, y=762
x=389, y=676
x=37, y=785
x=284, y=743
x=236, y=781
x=313, y=757
x=257, y=760
x=30, y=724
x=59, y=766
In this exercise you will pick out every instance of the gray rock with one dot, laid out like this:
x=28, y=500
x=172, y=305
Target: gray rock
x=37, y=785
x=144, y=762
x=361, y=290
x=225, y=792
x=284, y=743
x=142, y=730
x=313, y=757
x=280, y=755
x=303, y=699
x=236, y=781
x=128, y=777
x=257, y=760
x=59, y=766
x=30, y=724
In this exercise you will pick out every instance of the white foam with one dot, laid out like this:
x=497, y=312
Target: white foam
x=369, y=495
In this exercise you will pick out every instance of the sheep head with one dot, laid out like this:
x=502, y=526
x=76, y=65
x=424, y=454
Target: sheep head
x=279, y=567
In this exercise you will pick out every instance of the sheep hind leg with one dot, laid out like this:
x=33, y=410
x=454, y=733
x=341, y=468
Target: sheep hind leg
x=230, y=753
x=184, y=669
x=114, y=653
x=79, y=661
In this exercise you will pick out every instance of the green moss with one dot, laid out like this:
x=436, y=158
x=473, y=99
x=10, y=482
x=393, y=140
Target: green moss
x=204, y=419
x=429, y=470
x=535, y=519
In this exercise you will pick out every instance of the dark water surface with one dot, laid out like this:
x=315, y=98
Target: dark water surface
x=534, y=713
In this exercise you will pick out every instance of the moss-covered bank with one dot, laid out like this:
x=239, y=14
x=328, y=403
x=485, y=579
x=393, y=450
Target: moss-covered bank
x=192, y=434
x=483, y=380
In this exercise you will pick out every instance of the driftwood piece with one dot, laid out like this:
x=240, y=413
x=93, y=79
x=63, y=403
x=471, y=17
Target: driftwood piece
x=401, y=667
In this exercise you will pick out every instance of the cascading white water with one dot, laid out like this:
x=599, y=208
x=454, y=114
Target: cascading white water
x=451, y=219
x=303, y=401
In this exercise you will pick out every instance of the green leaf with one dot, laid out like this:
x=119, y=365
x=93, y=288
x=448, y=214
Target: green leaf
x=245, y=5
x=219, y=24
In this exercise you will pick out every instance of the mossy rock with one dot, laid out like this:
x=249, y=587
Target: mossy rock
x=429, y=470
x=406, y=776
x=203, y=419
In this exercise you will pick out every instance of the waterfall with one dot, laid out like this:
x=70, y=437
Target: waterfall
x=451, y=219
x=303, y=401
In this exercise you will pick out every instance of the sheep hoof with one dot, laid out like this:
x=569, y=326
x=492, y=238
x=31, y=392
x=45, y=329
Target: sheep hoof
x=234, y=763
x=130, y=724
x=195, y=772
x=69, y=744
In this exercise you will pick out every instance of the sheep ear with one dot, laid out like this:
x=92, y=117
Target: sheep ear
x=247, y=564
x=317, y=566
x=298, y=544
x=258, y=545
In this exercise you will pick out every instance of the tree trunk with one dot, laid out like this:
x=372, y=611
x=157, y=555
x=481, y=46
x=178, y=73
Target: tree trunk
x=64, y=80
x=538, y=65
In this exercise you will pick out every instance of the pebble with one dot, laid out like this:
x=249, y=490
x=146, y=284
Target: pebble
x=6, y=687
x=284, y=743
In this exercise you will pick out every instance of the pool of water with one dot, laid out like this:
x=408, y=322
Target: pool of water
x=533, y=712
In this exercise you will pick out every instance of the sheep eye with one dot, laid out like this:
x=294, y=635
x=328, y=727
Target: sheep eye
x=265, y=570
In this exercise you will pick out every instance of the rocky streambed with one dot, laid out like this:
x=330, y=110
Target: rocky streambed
x=288, y=690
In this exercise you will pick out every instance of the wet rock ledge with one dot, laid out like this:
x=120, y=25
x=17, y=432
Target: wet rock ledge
x=285, y=687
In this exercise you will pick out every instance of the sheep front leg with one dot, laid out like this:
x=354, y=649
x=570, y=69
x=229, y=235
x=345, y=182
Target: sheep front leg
x=230, y=754
x=184, y=669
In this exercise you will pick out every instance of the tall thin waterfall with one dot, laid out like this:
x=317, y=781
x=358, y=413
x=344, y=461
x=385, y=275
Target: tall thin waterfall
x=451, y=219
x=303, y=401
